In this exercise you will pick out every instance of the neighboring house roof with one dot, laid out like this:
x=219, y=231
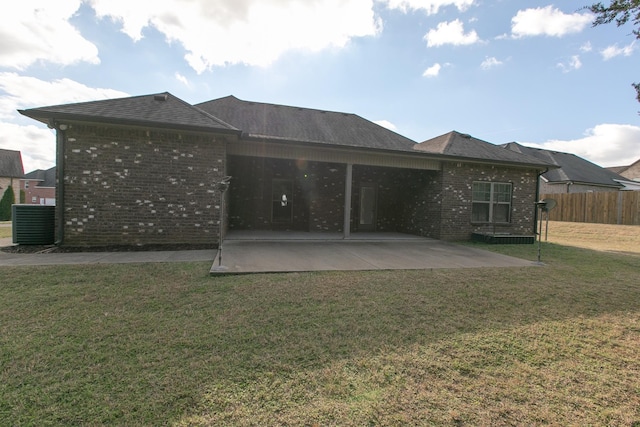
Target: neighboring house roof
x=159, y=110
x=571, y=167
x=279, y=122
x=631, y=171
x=466, y=147
x=47, y=177
x=11, y=164
x=617, y=169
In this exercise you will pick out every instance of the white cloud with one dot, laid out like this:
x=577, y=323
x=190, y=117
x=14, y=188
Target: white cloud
x=432, y=71
x=548, y=21
x=605, y=144
x=19, y=92
x=39, y=30
x=37, y=145
x=489, y=63
x=429, y=6
x=182, y=79
x=586, y=47
x=613, y=51
x=450, y=33
x=34, y=140
x=253, y=32
x=386, y=124
x=573, y=64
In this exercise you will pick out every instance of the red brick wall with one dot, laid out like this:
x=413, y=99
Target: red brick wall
x=31, y=191
x=141, y=187
x=318, y=194
x=420, y=203
x=401, y=196
x=457, y=199
x=325, y=186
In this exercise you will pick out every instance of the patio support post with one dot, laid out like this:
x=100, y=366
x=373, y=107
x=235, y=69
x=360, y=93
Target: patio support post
x=347, y=201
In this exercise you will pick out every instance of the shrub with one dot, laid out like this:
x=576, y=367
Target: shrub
x=5, y=204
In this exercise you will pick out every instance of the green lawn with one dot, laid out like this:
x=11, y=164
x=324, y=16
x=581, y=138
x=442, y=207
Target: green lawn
x=166, y=344
x=5, y=232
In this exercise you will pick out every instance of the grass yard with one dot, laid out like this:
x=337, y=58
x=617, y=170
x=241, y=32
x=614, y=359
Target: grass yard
x=600, y=237
x=166, y=344
x=5, y=231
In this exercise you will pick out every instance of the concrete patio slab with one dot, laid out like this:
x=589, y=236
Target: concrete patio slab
x=244, y=253
x=272, y=256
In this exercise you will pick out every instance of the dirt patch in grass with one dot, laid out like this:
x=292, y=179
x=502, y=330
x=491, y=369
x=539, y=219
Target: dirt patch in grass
x=599, y=237
x=5, y=232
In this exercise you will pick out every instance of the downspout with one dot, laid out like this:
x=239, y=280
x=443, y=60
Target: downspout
x=60, y=149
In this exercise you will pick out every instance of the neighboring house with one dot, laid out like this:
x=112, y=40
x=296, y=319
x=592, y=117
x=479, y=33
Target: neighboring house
x=11, y=170
x=573, y=174
x=631, y=172
x=146, y=170
x=39, y=187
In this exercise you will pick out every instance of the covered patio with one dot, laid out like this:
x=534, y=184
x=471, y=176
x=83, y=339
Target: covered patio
x=345, y=193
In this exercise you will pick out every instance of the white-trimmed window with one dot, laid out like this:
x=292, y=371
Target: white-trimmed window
x=491, y=202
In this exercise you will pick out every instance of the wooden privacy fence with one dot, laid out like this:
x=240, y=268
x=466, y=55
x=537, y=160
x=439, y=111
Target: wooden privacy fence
x=606, y=207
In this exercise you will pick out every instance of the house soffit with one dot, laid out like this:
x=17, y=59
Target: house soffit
x=309, y=152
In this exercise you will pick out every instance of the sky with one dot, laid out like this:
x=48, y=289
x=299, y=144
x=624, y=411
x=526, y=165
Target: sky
x=539, y=74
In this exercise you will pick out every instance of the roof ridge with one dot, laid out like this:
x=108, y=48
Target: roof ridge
x=272, y=104
x=199, y=110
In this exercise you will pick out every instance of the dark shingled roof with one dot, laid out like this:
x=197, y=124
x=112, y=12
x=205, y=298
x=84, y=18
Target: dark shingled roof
x=464, y=146
x=279, y=122
x=571, y=167
x=11, y=164
x=47, y=177
x=158, y=110
x=272, y=122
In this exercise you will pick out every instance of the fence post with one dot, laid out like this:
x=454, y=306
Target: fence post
x=619, y=207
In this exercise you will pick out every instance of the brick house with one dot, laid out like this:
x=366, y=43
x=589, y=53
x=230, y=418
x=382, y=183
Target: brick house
x=39, y=187
x=146, y=170
x=631, y=172
x=11, y=170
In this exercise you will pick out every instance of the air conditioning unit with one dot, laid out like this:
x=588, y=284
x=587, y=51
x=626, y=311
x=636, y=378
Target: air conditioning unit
x=33, y=224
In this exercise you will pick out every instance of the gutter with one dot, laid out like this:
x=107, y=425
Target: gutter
x=55, y=117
